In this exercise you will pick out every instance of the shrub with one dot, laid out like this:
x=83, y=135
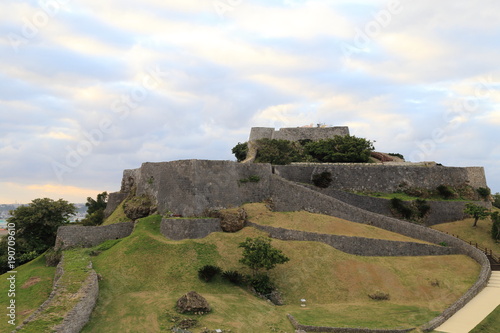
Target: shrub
x=401, y=208
x=343, y=149
x=379, y=296
x=484, y=192
x=250, y=179
x=322, y=180
x=495, y=228
x=446, y=192
x=240, y=151
x=397, y=155
x=234, y=277
x=422, y=207
x=496, y=200
x=262, y=284
x=208, y=272
x=278, y=152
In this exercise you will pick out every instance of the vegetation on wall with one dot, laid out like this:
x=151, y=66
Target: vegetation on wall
x=322, y=180
x=339, y=149
x=415, y=210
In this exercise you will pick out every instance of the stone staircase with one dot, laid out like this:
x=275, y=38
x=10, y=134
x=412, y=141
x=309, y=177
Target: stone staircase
x=494, y=279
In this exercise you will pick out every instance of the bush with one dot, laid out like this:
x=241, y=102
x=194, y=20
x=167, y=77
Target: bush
x=340, y=149
x=262, y=284
x=322, y=180
x=234, y=277
x=422, y=207
x=279, y=152
x=484, y=192
x=496, y=200
x=208, y=272
x=240, y=151
x=401, y=208
x=446, y=192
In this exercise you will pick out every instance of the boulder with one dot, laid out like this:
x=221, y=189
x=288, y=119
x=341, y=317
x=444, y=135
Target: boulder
x=193, y=302
x=138, y=207
x=233, y=221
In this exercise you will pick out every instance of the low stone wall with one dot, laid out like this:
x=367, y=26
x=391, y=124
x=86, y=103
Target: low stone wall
x=440, y=212
x=308, y=328
x=77, y=235
x=359, y=245
x=289, y=196
x=79, y=316
x=178, y=229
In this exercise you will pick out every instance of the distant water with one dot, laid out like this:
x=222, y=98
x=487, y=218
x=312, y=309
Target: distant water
x=3, y=224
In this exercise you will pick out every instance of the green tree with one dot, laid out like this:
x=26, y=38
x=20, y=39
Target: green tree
x=258, y=253
x=278, y=152
x=240, y=151
x=495, y=228
x=340, y=149
x=36, y=228
x=95, y=209
x=496, y=200
x=477, y=212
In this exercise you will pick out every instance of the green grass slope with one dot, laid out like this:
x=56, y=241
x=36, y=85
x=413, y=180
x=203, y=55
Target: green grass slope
x=144, y=274
x=33, y=287
x=490, y=324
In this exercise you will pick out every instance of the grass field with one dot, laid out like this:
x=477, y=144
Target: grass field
x=490, y=324
x=144, y=275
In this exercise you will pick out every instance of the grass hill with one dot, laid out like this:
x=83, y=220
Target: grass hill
x=144, y=274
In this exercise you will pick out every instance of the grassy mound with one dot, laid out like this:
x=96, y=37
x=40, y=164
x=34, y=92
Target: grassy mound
x=145, y=274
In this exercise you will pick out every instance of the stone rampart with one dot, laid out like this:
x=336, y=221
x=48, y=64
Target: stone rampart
x=359, y=245
x=297, y=133
x=80, y=236
x=114, y=200
x=384, y=178
x=440, y=212
x=178, y=229
x=290, y=196
x=189, y=187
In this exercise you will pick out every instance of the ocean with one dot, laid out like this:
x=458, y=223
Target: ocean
x=3, y=224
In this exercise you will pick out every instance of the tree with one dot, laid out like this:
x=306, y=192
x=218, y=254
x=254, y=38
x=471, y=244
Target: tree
x=495, y=228
x=95, y=209
x=477, y=212
x=258, y=253
x=277, y=151
x=496, y=200
x=240, y=151
x=36, y=228
x=340, y=149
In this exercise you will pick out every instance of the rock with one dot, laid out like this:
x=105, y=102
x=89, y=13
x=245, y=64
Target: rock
x=138, y=207
x=233, y=221
x=193, y=302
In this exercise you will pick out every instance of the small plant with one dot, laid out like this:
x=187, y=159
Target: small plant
x=262, y=284
x=443, y=244
x=399, y=206
x=322, y=180
x=446, y=192
x=379, y=296
x=234, y=277
x=151, y=180
x=250, y=179
x=422, y=207
x=435, y=283
x=208, y=272
x=484, y=192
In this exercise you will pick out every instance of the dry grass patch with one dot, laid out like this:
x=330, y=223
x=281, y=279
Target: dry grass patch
x=305, y=221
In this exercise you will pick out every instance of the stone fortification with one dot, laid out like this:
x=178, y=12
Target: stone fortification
x=76, y=235
x=385, y=178
x=188, y=187
x=178, y=229
x=297, y=133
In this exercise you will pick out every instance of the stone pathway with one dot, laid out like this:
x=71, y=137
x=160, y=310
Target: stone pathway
x=476, y=310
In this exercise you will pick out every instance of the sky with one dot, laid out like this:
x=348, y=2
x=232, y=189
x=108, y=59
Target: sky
x=90, y=88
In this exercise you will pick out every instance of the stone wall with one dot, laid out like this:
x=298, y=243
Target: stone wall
x=440, y=212
x=308, y=328
x=114, y=200
x=384, y=178
x=359, y=245
x=297, y=133
x=178, y=229
x=76, y=235
x=188, y=187
x=290, y=196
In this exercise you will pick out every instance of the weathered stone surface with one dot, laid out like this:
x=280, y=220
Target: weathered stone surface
x=233, y=221
x=193, y=302
x=138, y=207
